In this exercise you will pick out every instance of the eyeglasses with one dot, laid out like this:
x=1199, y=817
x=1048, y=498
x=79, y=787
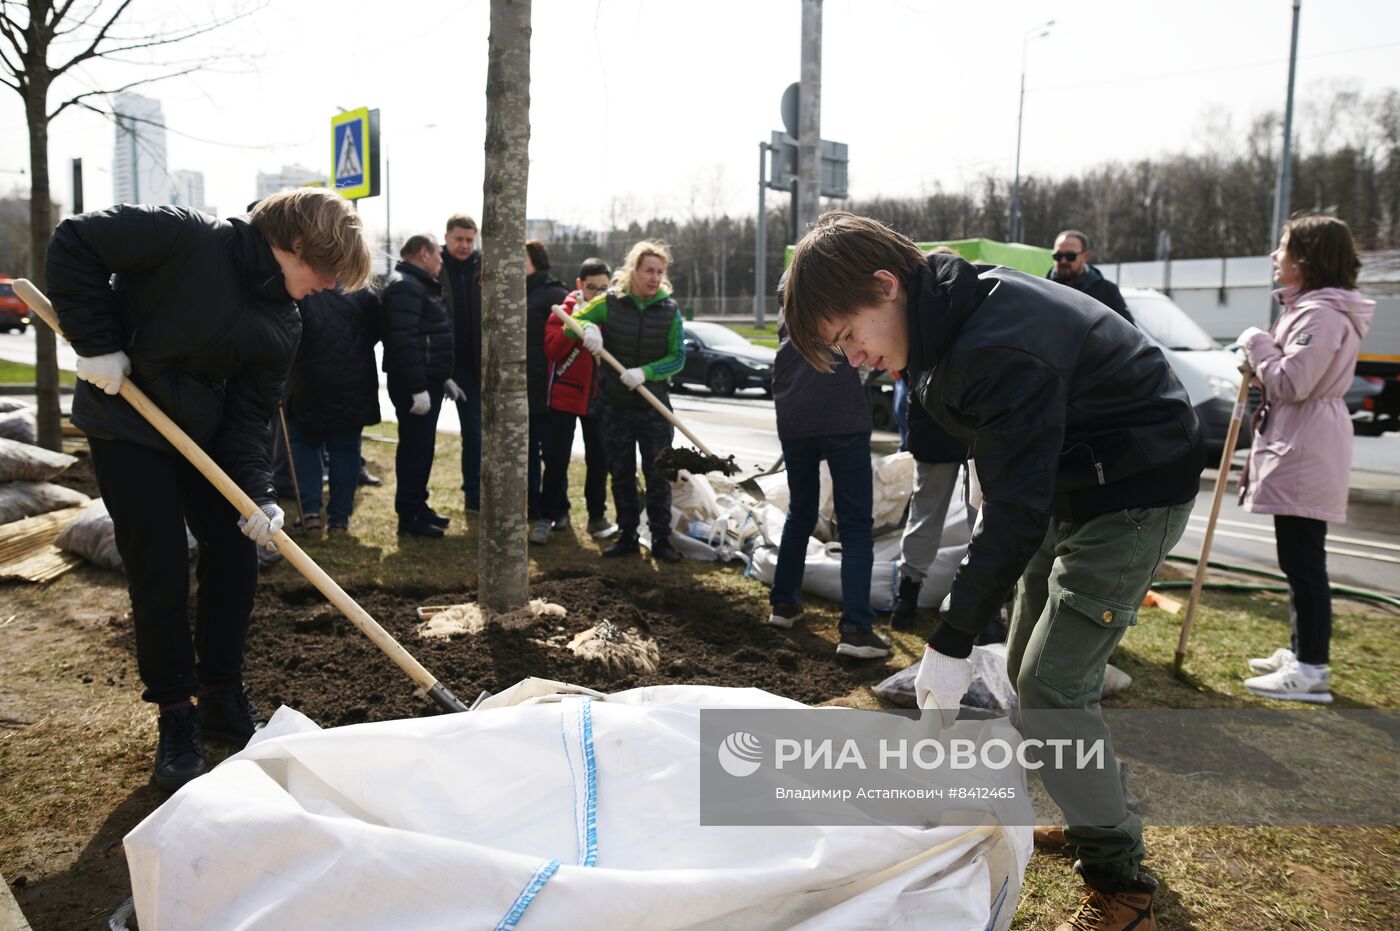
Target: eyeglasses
x=1065, y=256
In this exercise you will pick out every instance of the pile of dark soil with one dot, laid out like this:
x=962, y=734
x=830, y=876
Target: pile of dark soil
x=672, y=459
x=305, y=654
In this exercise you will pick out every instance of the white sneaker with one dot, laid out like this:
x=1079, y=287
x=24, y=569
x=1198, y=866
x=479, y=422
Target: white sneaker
x=1292, y=684
x=1281, y=657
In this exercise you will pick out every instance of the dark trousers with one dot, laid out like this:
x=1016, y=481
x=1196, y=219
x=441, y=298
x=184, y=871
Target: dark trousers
x=1302, y=555
x=626, y=432
x=469, y=414
x=539, y=433
x=558, y=450
x=151, y=497
x=848, y=457
x=413, y=461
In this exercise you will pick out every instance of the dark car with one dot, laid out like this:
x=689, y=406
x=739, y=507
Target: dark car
x=14, y=314
x=723, y=361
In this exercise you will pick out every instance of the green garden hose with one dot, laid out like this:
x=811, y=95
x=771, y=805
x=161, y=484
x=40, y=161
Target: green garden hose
x=1389, y=600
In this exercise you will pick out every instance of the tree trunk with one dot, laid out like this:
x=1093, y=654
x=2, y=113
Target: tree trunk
x=49, y=425
x=503, y=571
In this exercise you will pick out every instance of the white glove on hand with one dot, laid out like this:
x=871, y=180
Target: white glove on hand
x=260, y=528
x=421, y=404
x=633, y=377
x=450, y=389
x=105, y=371
x=592, y=338
x=942, y=681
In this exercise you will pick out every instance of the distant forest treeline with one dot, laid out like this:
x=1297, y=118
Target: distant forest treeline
x=1215, y=202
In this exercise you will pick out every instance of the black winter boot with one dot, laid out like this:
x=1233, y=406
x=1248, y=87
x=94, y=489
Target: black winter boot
x=626, y=545
x=180, y=751
x=226, y=715
x=906, y=604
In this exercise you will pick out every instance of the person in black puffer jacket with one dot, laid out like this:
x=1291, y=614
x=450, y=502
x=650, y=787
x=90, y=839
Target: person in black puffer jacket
x=200, y=316
x=1089, y=456
x=334, y=396
x=418, y=361
x=542, y=291
x=461, y=291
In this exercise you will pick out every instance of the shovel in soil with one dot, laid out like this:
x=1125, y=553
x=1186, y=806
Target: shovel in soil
x=699, y=460
x=247, y=507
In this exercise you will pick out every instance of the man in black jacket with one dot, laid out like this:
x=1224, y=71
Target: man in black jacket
x=418, y=361
x=461, y=291
x=1089, y=457
x=1073, y=270
x=200, y=315
x=334, y=395
x=542, y=291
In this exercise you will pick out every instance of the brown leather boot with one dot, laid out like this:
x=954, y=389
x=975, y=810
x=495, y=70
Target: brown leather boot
x=1050, y=838
x=1125, y=906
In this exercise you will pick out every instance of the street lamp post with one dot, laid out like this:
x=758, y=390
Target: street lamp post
x=1014, y=232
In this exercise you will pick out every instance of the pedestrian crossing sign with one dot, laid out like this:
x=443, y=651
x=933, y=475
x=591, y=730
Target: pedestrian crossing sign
x=355, y=153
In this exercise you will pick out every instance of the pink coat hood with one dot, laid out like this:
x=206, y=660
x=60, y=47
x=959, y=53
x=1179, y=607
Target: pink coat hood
x=1300, y=463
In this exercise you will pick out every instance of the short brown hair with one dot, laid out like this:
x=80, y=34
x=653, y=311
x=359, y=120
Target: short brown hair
x=416, y=244
x=331, y=235
x=833, y=274
x=463, y=220
x=539, y=255
x=1083, y=240
x=1325, y=252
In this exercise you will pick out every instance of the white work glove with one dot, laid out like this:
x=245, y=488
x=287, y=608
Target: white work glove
x=421, y=404
x=261, y=527
x=105, y=371
x=593, y=338
x=942, y=681
x=1250, y=332
x=633, y=377
x=450, y=389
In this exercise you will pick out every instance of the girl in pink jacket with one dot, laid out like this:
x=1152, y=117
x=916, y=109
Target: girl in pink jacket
x=1300, y=461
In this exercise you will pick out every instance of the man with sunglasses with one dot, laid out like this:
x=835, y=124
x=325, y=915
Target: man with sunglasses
x=1072, y=268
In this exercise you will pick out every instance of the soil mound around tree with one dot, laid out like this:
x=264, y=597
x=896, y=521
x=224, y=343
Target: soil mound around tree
x=305, y=654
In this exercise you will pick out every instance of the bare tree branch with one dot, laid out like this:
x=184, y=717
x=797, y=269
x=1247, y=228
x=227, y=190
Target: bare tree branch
x=93, y=51
x=117, y=90
x=10, y=30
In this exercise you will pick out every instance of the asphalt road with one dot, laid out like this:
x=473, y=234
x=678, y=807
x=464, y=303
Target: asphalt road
x=1364, y=552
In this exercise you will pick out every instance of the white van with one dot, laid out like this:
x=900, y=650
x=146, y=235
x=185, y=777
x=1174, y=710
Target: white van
x=1209, y=373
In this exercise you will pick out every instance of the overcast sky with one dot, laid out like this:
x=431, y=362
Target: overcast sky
x=656, y=107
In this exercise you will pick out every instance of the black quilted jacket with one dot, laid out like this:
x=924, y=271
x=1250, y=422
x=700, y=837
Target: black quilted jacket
x=199, y=306
x=334, y=385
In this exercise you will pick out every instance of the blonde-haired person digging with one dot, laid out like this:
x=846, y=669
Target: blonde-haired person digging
x=1089, y=457
x=200, y=314
x=643, y=327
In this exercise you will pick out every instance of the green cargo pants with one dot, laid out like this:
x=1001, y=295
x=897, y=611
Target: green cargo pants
x=1079, y=595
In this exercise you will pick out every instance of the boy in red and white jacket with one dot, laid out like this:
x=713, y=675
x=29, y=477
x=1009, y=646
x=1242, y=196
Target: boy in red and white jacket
x=573, y=394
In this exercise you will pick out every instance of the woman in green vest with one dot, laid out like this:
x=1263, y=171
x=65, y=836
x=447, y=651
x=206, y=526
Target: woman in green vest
x=644, y=332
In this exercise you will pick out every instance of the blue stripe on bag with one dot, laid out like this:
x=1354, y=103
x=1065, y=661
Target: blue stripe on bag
x=590, y=769
x=527, y=895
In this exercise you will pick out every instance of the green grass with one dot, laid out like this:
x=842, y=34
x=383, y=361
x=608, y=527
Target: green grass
x=768, y=336
x=17, y=373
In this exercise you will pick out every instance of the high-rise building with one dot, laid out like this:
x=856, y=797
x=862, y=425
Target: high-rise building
x=140, y=173
x=189, y=190
x=291, y=176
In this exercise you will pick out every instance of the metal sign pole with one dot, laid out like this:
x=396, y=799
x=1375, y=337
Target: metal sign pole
x=760, y=240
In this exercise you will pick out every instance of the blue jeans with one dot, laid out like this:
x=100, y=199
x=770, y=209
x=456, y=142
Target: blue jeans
x=343, y=450
x=848, y=457
x=469, y=413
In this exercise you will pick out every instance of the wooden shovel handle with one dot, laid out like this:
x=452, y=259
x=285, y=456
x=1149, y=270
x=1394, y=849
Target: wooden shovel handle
x=1232, y=436
x=665, y=411
x=246, y=506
